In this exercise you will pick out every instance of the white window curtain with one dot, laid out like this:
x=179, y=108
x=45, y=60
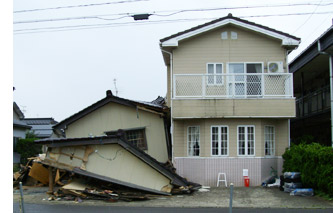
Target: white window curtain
x=194, y=141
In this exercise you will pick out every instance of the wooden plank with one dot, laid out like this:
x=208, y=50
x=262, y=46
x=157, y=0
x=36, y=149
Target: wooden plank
x=39, y=172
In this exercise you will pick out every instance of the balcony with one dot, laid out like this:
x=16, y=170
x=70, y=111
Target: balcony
x=232, y=86
x=314, y=103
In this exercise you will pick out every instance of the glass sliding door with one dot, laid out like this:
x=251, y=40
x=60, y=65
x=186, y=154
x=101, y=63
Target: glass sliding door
x=248, y=84
x=236, y=82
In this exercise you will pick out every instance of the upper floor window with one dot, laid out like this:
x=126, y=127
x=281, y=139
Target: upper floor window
x=269, y=140
x=246, y=140
x=193, y=140
x=137, y=137
x=219, y=140
x=214, y=71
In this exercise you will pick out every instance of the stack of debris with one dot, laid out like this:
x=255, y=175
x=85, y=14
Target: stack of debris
x=32, y=174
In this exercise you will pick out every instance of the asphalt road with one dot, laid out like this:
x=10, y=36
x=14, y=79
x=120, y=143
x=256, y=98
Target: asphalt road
x=41, y=208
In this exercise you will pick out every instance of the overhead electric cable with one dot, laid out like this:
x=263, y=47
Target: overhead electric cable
x=80, y=27
x=75, y=6
x=307, y=18
x=173, y=12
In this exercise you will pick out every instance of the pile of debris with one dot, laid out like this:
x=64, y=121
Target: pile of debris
x=75, y=187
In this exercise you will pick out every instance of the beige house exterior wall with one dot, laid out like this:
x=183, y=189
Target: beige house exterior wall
x=113, y=116
x=192, y=55
x=181, y=127
x=208, y=108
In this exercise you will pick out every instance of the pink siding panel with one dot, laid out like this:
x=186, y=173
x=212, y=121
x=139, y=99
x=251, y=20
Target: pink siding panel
x=205, y=170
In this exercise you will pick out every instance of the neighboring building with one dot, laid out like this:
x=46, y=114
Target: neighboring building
x=144, y=123
x=311, y=73
x=42, y=127
x=231, y=99
x=19, y=130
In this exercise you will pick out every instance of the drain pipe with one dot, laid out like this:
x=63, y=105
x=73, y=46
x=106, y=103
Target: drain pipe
x=331, y=91
x=171, y=97
x=331, y=85
x=291, y=93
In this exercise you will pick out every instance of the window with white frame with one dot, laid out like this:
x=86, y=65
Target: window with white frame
x=214, y=71
x=269, y=140
x=249, y=83
x=246, y=140
x=219, y=140
x=193, y=140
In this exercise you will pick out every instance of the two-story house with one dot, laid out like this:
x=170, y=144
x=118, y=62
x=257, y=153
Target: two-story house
x=231, y=99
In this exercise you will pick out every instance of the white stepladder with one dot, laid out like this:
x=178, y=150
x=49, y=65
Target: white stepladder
x=222, y=180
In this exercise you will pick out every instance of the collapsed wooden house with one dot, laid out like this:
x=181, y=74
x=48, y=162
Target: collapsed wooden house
x=112, y=159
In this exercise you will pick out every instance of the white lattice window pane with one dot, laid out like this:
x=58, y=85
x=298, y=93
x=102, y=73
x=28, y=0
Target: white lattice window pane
x=250, y=139
x=193, y=141
x=215, y=142
x=241, y=140
x=224, y=141
x=269, y=140
x=238, y=69
x=218, y=71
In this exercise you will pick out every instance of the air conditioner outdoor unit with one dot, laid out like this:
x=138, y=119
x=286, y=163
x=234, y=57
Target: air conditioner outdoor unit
x=275, y=67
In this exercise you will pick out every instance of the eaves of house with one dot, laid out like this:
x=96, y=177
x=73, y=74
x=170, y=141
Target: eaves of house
x=322, y=44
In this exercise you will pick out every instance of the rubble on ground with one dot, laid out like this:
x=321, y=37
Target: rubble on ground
x=77, y=188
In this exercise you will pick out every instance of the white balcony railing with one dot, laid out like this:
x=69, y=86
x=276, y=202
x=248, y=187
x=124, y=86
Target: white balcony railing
x=254, y=85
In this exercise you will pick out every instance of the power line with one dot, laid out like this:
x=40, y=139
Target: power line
x=173, y=12
x=245, y=7
x=75, y=6
x=307, y=18
x=92, y=26
x=71, y=18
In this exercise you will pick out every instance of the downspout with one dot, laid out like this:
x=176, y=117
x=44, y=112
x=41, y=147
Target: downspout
x=287, y=67
x=171, y=97
x=331, y=91
x=331, y=85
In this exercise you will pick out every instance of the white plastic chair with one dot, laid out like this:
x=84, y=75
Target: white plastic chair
x=222, y=180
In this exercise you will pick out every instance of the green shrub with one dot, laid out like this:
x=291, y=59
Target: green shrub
x=27, y=148
x=315, y=162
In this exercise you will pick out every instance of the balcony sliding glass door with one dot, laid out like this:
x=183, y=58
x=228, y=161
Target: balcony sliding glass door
x=241, y=84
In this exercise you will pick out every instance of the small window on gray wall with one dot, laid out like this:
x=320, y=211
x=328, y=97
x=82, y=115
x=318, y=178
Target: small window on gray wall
x=233, y=35
x=224, y=35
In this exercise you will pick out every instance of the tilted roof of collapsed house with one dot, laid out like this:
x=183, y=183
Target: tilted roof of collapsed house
x=156, y=105
x=289, y=41
x=116, y=139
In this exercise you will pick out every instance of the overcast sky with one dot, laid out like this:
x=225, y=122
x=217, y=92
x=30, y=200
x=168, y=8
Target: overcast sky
x=58, y=71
